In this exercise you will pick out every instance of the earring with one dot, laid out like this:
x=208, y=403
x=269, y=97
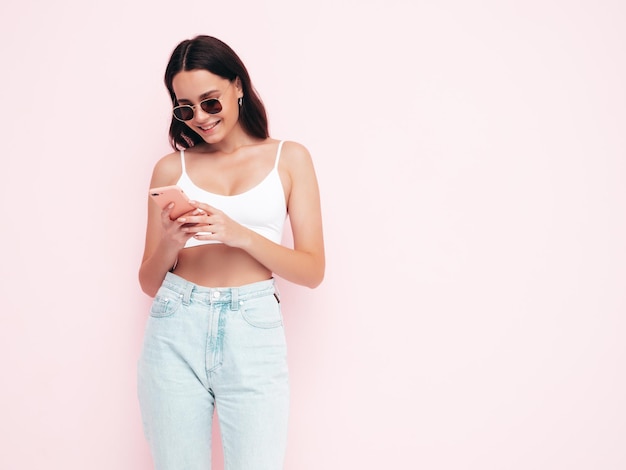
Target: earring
x=241, y=101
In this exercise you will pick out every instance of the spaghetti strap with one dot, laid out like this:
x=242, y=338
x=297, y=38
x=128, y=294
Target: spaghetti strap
x=182, y=160
x=280, y=146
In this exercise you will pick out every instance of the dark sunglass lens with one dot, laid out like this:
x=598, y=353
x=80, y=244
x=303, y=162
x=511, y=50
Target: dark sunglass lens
x=184, y=113
x=211, y=106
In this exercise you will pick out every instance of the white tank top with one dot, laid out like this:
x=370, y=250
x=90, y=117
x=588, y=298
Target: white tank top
x=262, y=208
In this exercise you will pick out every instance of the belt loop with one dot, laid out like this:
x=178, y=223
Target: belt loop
x=234, y=298
x=187, y=293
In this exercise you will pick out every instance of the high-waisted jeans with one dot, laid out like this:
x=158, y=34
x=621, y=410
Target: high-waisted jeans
x=214, y=348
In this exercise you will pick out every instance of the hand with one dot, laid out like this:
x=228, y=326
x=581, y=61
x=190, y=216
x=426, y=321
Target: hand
x=213, y=224
x=173, y=230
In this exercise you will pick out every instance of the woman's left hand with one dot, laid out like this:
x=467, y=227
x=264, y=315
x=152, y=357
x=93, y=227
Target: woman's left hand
x=215, y=225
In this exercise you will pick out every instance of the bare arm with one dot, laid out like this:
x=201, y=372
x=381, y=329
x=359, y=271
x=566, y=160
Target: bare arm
x=164, y=238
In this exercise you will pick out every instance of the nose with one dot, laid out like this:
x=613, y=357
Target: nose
x=199, y=114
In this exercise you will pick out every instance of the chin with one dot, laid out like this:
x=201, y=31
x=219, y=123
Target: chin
x=212, y=139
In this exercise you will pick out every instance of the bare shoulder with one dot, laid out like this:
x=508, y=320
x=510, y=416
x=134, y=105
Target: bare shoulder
x=167, y=170
x=295, y=156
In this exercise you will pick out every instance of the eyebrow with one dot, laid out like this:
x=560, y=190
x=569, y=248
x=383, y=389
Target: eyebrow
x=202, y=97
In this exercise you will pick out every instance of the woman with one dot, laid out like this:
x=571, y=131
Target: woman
x=214, y=339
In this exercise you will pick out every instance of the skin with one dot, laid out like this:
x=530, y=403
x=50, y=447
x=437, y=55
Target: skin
x=230, y=162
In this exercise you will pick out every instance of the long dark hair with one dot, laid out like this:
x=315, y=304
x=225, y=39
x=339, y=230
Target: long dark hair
x=209, y=53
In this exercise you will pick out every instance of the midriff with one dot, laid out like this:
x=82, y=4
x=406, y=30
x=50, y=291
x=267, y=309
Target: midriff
x=219, y=266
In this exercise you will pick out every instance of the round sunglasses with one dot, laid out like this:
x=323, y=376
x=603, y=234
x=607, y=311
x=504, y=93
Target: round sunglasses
x=186, y=112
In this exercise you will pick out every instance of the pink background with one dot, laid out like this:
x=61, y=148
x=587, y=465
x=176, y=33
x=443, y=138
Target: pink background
x=472, y=166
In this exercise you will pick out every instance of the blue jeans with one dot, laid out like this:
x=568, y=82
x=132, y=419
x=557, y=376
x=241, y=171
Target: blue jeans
x=214, y=348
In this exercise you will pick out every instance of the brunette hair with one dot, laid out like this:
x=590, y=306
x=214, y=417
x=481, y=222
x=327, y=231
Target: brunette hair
x=209, y=53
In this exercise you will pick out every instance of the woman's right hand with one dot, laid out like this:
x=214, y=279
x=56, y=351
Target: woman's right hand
x=173, y=232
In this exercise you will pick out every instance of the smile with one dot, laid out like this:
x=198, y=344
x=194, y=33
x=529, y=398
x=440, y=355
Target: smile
x=210, y=126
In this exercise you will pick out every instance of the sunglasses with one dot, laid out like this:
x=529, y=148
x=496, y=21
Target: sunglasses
x=186, y=112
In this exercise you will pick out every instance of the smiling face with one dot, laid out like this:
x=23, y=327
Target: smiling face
x=194, y=86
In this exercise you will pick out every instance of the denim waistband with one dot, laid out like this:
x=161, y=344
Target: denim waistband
x=190, y=291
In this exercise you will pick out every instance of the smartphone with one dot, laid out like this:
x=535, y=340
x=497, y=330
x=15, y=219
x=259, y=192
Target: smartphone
x=167, y=194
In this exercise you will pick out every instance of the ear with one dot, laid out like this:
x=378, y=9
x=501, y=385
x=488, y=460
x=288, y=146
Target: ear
x=239, y=87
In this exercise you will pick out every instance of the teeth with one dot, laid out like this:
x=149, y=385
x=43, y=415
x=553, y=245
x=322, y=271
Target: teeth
x=210, y=127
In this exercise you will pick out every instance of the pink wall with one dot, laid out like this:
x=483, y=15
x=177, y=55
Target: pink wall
x=472, y=167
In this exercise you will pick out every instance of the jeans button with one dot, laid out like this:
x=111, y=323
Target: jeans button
x=216, y=295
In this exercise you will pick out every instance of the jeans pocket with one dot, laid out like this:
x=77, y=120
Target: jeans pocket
x=165, y=303
x=262, y=312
